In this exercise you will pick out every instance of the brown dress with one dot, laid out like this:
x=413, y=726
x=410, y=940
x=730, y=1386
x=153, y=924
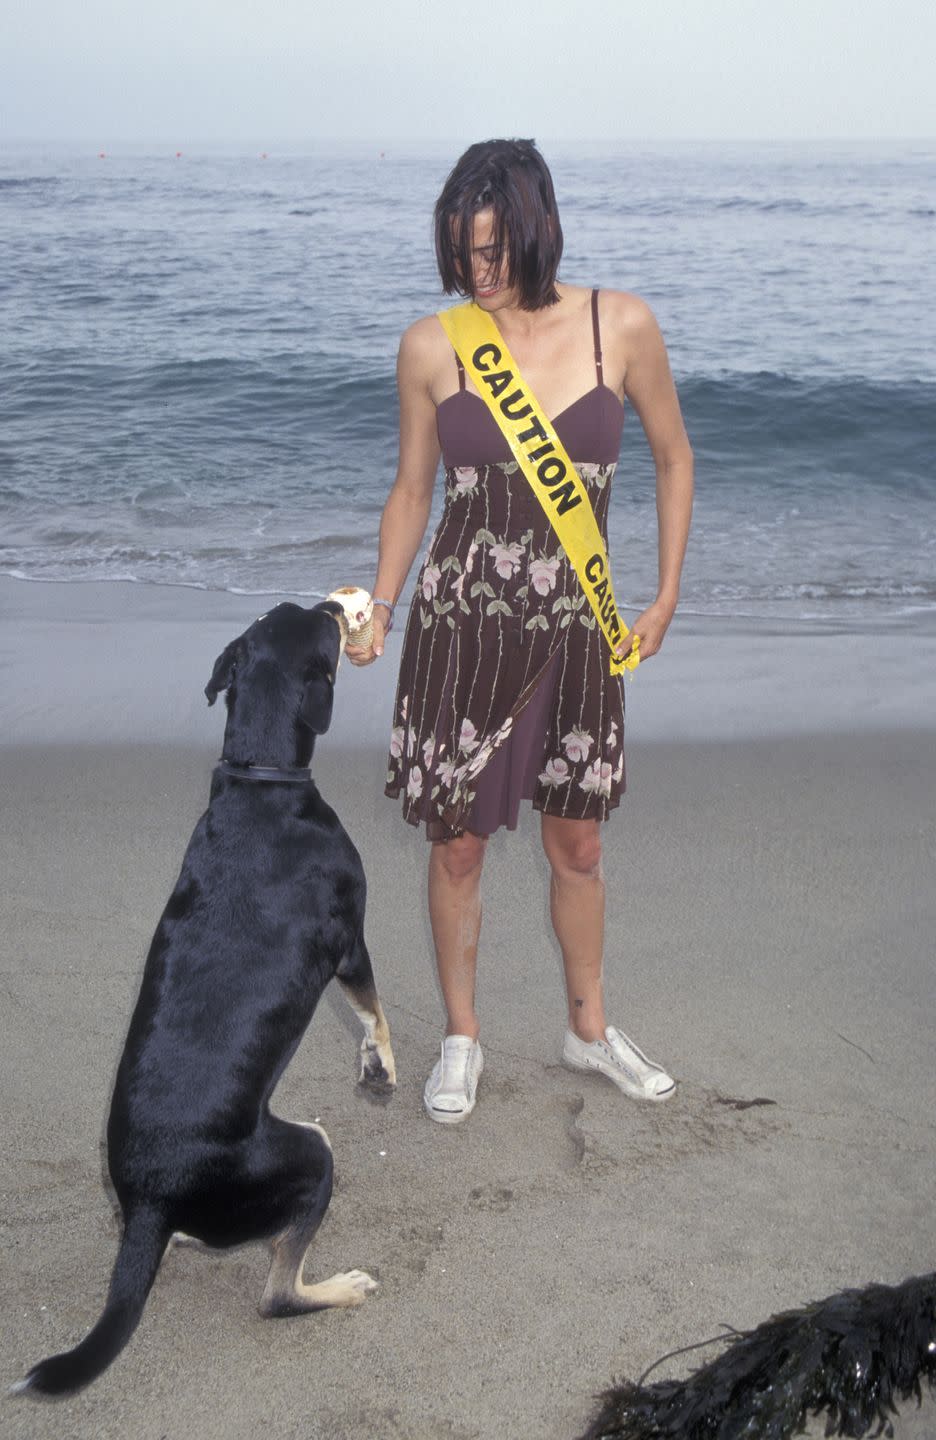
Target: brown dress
x=505, y=691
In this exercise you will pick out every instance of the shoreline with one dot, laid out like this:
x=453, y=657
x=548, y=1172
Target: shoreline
x=116, y=661
x=908, y=617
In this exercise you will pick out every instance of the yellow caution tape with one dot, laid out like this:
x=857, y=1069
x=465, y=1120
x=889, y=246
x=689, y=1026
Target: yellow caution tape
x=542, y=457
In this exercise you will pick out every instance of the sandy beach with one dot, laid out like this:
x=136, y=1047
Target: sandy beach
x=771, y=917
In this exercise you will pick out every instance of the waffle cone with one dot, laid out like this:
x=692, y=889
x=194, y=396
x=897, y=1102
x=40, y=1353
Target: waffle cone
x=363, y=635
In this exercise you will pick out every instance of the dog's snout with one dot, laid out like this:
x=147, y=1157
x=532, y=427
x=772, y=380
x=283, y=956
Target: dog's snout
x=336, y=611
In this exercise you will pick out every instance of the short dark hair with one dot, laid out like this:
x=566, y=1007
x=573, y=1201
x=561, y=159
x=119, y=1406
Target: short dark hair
x=511, y=178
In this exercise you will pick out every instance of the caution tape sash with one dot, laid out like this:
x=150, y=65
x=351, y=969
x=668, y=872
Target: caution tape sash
x=544, y=461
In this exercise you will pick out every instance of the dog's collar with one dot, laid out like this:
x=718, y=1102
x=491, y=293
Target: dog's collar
x=265, y=772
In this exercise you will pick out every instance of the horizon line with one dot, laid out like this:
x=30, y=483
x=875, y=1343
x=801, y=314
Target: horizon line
x=387, y=143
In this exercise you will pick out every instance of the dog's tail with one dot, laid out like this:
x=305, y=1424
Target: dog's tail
x=141, y=1249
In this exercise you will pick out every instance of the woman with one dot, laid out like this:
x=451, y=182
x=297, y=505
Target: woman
x=505, y=691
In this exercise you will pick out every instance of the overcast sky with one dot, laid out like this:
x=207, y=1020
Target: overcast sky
x=268, y=70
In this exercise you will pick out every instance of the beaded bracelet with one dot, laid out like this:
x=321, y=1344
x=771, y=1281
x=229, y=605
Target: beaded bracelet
x=388, y=605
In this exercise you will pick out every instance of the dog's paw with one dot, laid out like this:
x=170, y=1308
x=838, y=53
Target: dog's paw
x=342, y=1291
x=378, y=1071
x=353, y=1287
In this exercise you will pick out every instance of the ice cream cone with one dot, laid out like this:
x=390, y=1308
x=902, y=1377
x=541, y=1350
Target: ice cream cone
x=359, y=613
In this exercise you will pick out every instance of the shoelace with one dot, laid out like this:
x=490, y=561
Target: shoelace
x=617, y=1047
x=454, y=1070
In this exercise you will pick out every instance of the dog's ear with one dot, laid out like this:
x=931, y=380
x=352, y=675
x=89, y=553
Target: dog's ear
x=317, y=700
x=223, y=672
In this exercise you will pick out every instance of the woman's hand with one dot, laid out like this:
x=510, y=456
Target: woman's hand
x=367, y=654
x=651, y=626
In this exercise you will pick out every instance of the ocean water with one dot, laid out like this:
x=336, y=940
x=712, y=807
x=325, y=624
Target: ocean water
x=197, y=362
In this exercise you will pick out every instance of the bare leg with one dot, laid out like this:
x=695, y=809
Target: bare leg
x=455, y=914
x=577, y=904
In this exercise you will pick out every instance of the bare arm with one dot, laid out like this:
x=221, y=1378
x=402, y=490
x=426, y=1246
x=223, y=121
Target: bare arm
x=648, y=384
x=406, y=513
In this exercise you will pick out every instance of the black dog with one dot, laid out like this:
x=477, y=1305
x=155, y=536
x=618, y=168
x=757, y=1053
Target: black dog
x=268, y=907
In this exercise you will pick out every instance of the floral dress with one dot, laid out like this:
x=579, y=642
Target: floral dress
x=499, y=620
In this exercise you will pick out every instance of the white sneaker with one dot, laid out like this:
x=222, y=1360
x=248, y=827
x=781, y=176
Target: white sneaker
x=619, y=1059
x=451, y=1089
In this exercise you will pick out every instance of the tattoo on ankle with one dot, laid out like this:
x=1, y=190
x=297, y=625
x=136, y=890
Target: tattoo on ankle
x=579, y=1004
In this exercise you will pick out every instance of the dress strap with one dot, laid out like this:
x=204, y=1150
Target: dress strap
x=597, y=334
x=461, y=371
